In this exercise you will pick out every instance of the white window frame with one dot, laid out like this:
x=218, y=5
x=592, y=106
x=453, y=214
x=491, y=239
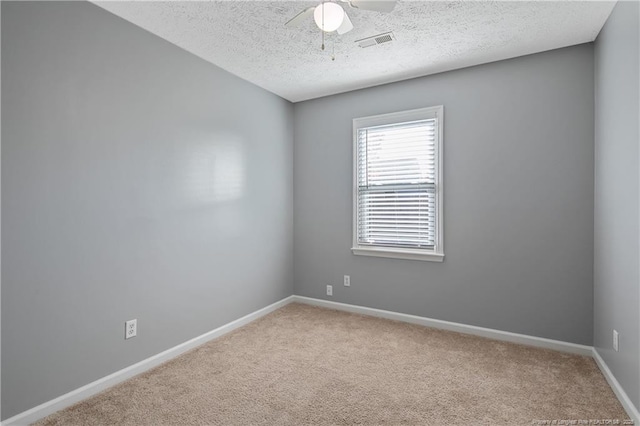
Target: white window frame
x=437, y=254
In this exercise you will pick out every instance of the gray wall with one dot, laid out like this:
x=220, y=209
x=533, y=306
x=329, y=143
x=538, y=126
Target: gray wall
x=518, y=202
x=617, y=250
x=138, y=181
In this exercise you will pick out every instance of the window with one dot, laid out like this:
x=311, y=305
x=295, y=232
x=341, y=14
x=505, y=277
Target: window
x=398, y=185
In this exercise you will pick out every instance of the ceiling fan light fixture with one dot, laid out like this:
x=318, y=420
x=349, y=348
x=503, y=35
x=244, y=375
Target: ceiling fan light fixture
x=333, y=16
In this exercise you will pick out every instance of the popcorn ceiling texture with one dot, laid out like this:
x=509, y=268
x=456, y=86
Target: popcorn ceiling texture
x=248, y=38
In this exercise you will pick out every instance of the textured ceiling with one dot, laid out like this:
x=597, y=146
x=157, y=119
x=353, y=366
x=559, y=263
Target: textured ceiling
x=248, y=38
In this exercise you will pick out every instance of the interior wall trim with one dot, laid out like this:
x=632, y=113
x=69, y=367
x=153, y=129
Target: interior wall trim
x=70, y=398
x=622, y=396
x=506, y=336
x=43, y=410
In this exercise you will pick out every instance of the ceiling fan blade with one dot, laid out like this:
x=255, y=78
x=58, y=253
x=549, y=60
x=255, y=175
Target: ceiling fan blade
x=375, y=5
x=297, y=20
x=346, y=25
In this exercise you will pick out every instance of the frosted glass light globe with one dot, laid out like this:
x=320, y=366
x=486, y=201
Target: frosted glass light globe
x=333, y=16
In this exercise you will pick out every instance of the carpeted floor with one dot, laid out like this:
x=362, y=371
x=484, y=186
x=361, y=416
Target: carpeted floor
x=303, y=365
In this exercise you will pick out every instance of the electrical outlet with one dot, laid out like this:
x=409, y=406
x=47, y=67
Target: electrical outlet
x=347, y=281
x=329, y=290
x=616, y=340
x=131, y=329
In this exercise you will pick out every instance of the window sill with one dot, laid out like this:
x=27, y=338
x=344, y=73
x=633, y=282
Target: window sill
x=395, y=253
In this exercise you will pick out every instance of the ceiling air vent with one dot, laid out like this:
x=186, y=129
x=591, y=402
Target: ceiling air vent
x=377, y=39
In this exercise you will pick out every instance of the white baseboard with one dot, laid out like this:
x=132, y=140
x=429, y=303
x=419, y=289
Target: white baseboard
x=506, y=336
x=624, y=399
x=99, y=385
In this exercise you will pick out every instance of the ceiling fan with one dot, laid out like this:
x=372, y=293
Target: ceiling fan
x=330, y=16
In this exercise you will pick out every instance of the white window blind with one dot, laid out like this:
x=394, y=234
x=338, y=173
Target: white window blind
x=397, y=174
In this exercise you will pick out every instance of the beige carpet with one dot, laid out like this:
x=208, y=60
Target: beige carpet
x=303, y=365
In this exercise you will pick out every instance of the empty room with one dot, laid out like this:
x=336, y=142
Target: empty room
x=370, y=212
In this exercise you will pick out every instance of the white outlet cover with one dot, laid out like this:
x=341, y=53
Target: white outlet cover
x=616, y=340
x=130, y=329
x=347, y=281
x=329, y=290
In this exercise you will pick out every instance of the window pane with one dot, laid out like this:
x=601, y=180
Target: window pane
x=400, y=217
x=396, y=173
